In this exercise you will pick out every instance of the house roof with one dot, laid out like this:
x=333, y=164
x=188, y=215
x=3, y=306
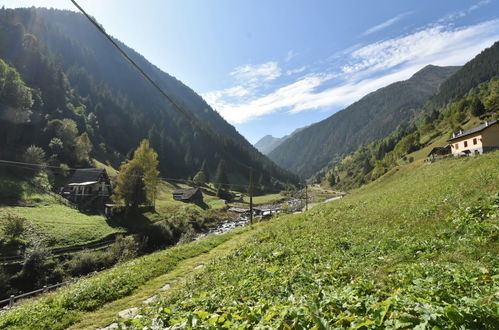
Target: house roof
x=85, y=175
x=473, y=130
x=185, y=193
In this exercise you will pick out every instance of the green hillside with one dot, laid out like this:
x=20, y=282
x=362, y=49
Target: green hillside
x=373, y=117
x=433, y=129
x=415, y=248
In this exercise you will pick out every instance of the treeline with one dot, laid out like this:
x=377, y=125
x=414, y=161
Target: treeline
x=82, y=100
x=370, y=162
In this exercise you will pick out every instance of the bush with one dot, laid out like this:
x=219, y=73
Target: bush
x=14, y=226
x=10, y=191
x=37, y=270
x=4, y=284
x=85, y=262
x=125, y=248
x=159, y=235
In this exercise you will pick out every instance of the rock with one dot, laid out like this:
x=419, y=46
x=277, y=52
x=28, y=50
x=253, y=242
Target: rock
x=128, y=313
x=151, y=299
x=166, y=287
x=199, y=266
x=111, y=326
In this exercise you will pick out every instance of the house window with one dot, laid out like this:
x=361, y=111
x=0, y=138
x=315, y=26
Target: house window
x=457, y=146
x=474, y=141
x=465, y=144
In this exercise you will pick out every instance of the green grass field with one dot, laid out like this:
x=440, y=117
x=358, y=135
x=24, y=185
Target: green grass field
x=63, y=226
x=416, y=248
x=51, y=219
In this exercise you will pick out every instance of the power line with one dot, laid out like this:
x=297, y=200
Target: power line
x=37, y=167
x=191, y=118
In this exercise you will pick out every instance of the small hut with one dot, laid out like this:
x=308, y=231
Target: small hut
x=190, y=195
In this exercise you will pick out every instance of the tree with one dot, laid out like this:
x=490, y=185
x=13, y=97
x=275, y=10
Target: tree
x=200, y=178
x=206, y=171
x=221, y=178
x=130, y=186
x=331, y=179
x=83, y=147
x=34, y=155
x=477, y=107
x=148, y=159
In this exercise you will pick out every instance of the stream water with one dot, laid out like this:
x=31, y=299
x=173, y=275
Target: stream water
x=225, y=226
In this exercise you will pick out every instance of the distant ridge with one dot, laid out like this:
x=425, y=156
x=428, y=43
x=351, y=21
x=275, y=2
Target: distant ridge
x=373, y=117
x=268, y=143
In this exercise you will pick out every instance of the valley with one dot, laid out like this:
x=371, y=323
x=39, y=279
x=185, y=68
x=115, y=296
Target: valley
x=130, y=200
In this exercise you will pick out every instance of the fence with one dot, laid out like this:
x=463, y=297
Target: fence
x=9, y=302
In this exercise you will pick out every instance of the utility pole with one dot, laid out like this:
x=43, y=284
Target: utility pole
x=306, y=197
x=250, y=191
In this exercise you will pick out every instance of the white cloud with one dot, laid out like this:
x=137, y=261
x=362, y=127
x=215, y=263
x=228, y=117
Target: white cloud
x=297, y=70
x=462, y=13
x=427, y=46
x=253, y=74
x=385, y=24
x=479, y=4
x=366, y=69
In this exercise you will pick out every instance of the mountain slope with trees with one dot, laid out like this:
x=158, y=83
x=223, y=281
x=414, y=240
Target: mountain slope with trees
x=83, y=95
x=373, y=117
x=459, y=108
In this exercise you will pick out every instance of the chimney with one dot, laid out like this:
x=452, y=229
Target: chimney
x=453, y=135
x=486, y=123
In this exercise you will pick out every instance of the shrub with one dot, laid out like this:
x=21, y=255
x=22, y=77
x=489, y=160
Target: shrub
x=85, y=262
x=4, y=284
x=125, y=248
x=37, y=270
x=14, y=226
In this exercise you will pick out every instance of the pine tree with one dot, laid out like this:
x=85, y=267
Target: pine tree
x=206, y=171
x=331, y=179
x=221, y=178
x=477, y=107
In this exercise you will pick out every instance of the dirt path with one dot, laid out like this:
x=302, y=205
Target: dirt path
x=158, y=287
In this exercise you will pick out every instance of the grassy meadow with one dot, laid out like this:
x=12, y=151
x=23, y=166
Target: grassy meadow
x=416, y=248
x=50, y=218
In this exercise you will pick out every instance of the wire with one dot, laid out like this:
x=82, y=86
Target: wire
x=37, y=167
x=191, y=118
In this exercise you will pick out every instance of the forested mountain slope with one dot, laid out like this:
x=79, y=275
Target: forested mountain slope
x=372, y=117
x=482, y=68
x=466, y=99
x=74, y=77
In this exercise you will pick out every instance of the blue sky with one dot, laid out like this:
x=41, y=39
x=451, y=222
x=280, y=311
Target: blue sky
x=269, y=67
